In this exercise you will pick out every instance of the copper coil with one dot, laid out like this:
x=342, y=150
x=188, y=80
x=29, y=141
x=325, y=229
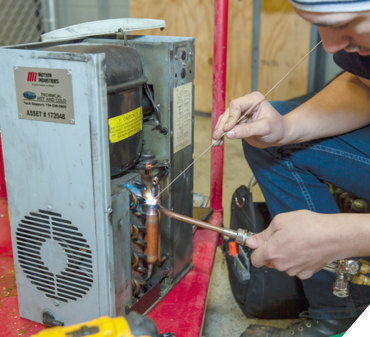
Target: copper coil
x=135, y=285
x=139, y=214
x=136, y=260
x=141, y=243
x=134, y=196
x=134, y=230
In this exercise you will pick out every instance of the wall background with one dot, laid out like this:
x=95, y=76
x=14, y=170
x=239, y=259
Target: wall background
x=284, y=37
x=284, y=40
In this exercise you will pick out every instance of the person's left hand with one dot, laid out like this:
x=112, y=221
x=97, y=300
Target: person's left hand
x=299, y=243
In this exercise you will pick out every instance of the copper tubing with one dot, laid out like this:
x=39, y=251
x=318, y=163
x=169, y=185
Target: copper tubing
x=134, y=197
x=191, y=221
x=160, y=258
x=135, y=260
x=140, y=242
x=134, y=230
x=138, y=213
x=136, y=286
x=151, y=237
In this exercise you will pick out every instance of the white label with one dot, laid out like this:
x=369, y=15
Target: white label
x=44, y=94
x=182, y=116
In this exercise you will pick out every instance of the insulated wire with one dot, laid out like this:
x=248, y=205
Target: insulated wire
x=241, y=119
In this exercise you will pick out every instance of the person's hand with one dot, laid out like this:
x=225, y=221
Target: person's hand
x=263, y=128
x=300, y=242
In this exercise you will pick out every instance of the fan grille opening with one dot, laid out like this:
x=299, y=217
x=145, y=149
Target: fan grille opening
x=38, y=231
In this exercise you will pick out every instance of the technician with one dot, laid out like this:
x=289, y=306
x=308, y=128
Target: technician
x=293, y=150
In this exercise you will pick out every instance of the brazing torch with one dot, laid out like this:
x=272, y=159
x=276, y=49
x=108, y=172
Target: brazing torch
x=240, y=235
x=347, y=270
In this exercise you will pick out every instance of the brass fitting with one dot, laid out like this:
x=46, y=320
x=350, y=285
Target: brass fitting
x=365, y=267
x=361, y=280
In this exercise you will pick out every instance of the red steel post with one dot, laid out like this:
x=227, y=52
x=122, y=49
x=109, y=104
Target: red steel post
x=2, y=174
x=218, y=98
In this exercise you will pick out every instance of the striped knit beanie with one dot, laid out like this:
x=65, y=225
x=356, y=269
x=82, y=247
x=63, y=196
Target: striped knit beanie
x=329, y=6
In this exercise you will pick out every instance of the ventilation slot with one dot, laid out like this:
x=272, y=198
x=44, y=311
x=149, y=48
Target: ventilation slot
x=76, y=278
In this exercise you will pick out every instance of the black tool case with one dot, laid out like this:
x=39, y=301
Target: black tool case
x=260, y=292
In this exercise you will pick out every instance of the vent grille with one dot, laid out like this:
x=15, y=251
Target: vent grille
x=76, y=277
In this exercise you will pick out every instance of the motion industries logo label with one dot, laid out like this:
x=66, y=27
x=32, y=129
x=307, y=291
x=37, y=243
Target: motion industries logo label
x=32, y=77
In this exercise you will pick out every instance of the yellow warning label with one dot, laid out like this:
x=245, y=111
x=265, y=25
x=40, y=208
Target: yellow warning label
x=124, y=126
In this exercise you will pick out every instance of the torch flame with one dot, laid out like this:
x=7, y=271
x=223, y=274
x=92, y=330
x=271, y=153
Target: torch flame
x=151, y=200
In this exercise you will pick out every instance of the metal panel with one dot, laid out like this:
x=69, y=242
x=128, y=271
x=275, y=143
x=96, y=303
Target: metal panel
x=64, y=169
x=163, y=64
x=120, y=222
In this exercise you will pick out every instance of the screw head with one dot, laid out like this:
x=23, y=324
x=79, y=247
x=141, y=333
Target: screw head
x=19, y=115
x=56, y=303
x=109, y=210
x=176, y=57
x=49, y=208
x=69, y=72
x=15, y=68
x=72, y=121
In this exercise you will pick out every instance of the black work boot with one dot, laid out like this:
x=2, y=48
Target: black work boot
x=307, y=327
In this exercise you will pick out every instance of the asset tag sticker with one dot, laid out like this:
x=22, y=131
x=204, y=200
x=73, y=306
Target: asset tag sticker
x=182, y=116
x=44, y=94
x=124, y=126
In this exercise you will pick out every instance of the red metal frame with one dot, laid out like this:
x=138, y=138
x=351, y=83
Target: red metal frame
x=218, y=98
x=2, y=174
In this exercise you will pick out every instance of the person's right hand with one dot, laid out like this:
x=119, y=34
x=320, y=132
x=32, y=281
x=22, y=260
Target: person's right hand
x=301, y=242
x=264, y=127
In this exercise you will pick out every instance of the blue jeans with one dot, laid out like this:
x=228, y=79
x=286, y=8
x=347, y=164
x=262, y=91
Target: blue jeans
x=293, y=177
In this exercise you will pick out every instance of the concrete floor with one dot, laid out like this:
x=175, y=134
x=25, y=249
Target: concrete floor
x=223, y=316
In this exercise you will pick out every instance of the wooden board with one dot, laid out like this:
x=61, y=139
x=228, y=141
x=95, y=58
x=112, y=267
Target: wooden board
x=284, y=39
x=193, y=18
x=239, y=49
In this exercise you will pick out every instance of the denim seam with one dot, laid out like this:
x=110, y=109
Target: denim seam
x=342, y=154
x=301, y=185
x=333, y=151
x=351, y=306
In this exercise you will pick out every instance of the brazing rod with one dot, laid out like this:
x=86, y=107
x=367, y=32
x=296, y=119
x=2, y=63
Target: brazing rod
x=240, y=235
